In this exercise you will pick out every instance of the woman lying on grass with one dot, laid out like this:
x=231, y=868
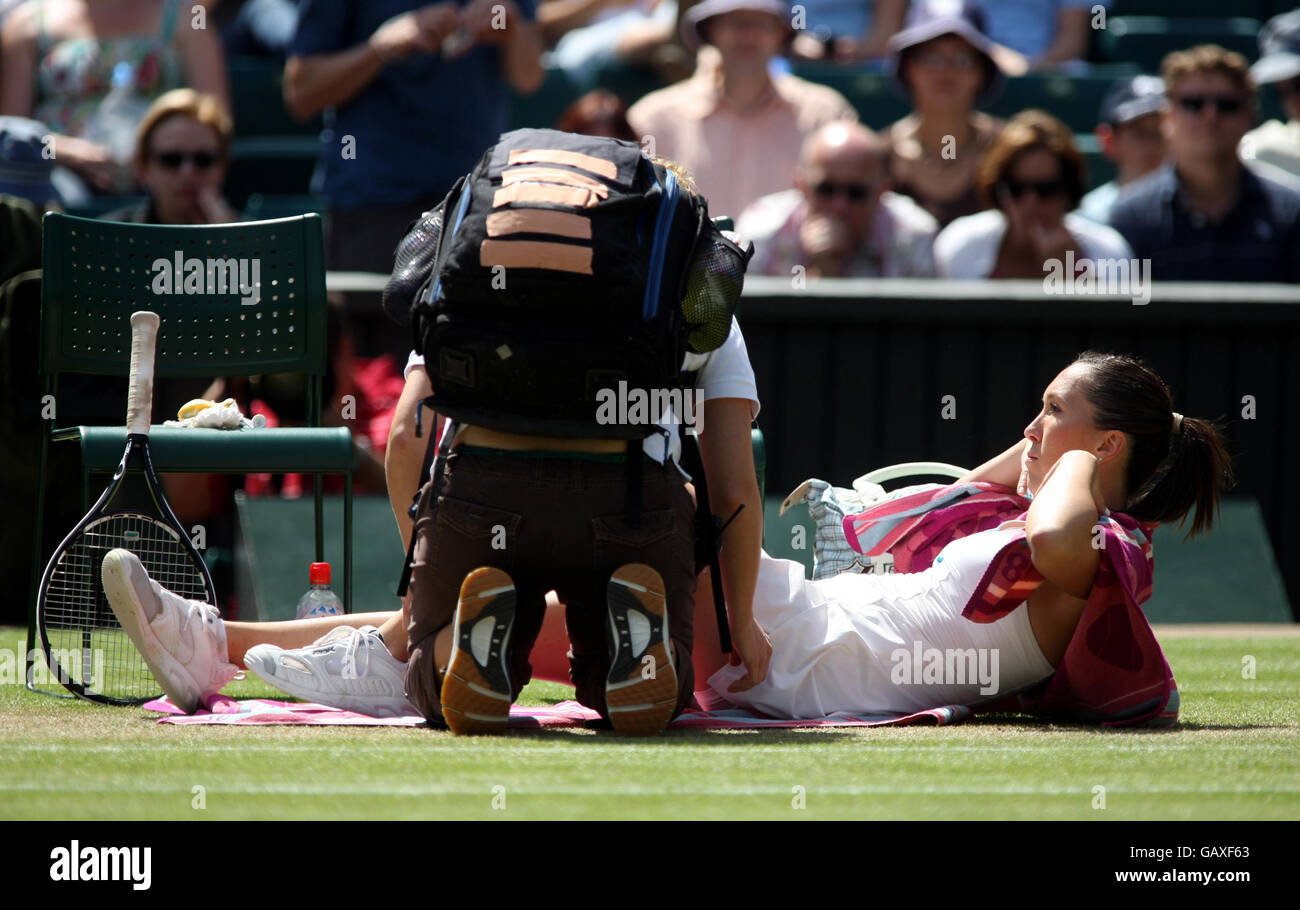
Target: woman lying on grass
x=1106, y=439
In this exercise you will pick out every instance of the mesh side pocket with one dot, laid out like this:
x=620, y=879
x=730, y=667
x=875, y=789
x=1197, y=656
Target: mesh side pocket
x=713, y=289
x=414, y=260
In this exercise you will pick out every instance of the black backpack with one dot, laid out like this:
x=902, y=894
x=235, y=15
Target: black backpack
x=562, y=270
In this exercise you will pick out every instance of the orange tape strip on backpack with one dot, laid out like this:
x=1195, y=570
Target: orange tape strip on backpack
x=598, y=166
x=536, y=254
x=538, y=221
x=553, y=175
x=576, y=197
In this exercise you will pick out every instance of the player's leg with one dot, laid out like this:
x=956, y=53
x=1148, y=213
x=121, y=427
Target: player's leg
x=182, y=641
x=643, y=587
x=299, y=633
x=476, y=526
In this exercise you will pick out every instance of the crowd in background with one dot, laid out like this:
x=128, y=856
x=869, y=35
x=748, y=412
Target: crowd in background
x=131, y=99
x=124, y=108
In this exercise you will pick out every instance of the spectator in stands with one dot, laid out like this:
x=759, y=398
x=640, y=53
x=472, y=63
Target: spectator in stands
x=840, y=221
x=1035, y=176
x=1047, y=32
x=1204, y=216
x=412, y=94
x=847, y=31
x=262, y=28
x=1130, y=136
x=26, y=171
x=737, y=128
x=181, y=153
x=588, y=35
x=598, y=113
x=944, y=65
x=60, y=58
x=1275, y=142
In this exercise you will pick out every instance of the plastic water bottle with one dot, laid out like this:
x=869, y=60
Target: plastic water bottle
x=114, y=122
x=319, y=599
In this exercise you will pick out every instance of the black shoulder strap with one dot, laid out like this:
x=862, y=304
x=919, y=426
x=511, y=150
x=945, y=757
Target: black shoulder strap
x=443, y=449
x=708, y=533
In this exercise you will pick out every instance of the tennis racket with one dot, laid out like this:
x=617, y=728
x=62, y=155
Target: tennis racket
x=85, y=647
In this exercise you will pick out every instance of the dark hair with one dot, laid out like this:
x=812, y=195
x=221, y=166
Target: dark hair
x=1168, y=471
x=597, y=113
x=1027, y=130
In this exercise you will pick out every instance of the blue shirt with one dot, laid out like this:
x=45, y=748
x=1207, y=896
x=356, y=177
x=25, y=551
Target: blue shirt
x=837, y=18
x=1257, y=240
x=1028, y=26
x=418, y=126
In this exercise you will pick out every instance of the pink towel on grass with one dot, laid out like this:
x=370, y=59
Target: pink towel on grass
x=715, y=715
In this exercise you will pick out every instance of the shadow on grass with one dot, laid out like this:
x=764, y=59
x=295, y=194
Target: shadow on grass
x=1029, y=721
x=726, y=738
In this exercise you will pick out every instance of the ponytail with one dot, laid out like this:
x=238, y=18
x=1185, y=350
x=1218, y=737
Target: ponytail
x=1176, y=464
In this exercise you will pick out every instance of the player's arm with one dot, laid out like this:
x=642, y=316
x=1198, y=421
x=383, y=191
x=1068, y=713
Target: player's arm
x=404, y=455
x=520, y=41
x=313, y=82
x=1061, y=520
x=1003, y=468
x=728, y=455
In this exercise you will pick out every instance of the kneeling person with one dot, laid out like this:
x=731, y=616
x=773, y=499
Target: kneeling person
x=533, y=491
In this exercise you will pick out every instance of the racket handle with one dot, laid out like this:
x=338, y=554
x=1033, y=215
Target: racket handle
x=139, y=396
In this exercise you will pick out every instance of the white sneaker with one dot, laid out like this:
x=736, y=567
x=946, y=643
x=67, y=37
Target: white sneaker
x=182, y=641
x=348, y=668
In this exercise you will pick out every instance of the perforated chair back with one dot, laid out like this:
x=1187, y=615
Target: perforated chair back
x=96, y=273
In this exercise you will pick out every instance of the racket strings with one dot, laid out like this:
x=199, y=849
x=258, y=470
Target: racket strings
x=87, y=643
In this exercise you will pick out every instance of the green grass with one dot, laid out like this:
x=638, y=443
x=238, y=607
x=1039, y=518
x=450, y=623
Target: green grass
x=1235, y=755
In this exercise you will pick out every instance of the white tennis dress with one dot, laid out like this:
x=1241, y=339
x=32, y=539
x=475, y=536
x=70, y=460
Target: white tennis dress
x=892, y=643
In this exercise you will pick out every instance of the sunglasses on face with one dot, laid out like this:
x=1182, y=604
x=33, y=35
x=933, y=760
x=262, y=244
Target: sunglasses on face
x=1043, y=189
x=1224, y=104
x=854, y=192
x=172, y=161
x=935, y=59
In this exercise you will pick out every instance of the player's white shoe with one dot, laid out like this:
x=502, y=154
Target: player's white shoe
x=347, y=668
x=182, y=641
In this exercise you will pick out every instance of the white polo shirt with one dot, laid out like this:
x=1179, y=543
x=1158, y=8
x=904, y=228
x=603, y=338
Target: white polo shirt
x=723, y=373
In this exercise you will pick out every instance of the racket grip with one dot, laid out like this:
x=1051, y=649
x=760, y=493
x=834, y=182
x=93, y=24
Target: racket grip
x=139, y=396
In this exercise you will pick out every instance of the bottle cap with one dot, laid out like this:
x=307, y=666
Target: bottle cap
x=319, y=574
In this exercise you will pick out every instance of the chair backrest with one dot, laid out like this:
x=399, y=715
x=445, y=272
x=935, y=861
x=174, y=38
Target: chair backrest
x=234, y=299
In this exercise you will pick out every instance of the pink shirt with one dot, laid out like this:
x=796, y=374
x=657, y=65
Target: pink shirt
x=736, y=156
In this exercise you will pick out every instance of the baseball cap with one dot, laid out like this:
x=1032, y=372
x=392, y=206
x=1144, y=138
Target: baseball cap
x=1131, y=98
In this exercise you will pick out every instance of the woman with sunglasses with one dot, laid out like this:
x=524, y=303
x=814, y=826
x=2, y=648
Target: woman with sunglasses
x=181, y=153
x=62, y=59
x=1034, y=176
x=944, y=64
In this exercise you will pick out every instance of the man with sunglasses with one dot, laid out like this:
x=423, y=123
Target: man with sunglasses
x=1277, y=143
x=840, y=221
x=1204, y=216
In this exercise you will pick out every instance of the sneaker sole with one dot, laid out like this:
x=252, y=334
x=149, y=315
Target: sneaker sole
x=476, y=693
x=120, y=588
x=640, y=695
x=264, y=664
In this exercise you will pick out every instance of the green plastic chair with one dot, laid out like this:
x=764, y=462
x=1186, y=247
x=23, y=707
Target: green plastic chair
x=96, y=273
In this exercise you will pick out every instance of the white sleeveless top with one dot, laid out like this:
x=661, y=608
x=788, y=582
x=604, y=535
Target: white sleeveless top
x=886, y=643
